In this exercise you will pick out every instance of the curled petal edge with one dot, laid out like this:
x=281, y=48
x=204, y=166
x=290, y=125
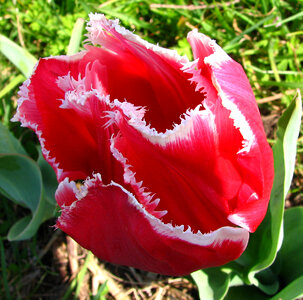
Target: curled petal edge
x=99, y=25
x=109, y=221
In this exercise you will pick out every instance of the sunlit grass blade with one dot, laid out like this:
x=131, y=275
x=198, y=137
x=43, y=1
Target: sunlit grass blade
x=123, y=17
x=271, y=55
x=75, y=40
x=77, y=281
x=17, y=55
x=284, y=84
x=11, y=85
x=289, y=19
x=101, y=292
x=272, y=72
x=231, y=44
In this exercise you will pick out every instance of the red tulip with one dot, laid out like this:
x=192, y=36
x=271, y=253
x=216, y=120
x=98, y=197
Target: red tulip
x=159, y=144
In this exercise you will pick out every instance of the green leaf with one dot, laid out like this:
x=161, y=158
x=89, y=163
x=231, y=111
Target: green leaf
x=289, y=262
x=8, y=143
x=267, y=281
x=16, y=230
x=292, y=291
x=212, y=283
x=245, y=292
x=49, y=179
x=28, y=226
x=266, y=241
x=20, y=180
x=19, y=56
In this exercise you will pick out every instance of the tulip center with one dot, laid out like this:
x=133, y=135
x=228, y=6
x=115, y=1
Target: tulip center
x=195, y=173
x=149, y=80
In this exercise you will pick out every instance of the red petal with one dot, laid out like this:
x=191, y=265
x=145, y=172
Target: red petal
x=190, y=169
x=212, y=171
x=255, y=159
x=142, y=73
x=69, y=120
x=119, y=230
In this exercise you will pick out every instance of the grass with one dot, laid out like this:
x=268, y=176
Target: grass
x=264, y=36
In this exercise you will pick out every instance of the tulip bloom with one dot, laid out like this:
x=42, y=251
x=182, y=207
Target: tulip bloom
x=163, y=163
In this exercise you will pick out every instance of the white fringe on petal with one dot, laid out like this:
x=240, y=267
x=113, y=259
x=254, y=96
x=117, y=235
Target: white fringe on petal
x=216, y=237
x=98, y=23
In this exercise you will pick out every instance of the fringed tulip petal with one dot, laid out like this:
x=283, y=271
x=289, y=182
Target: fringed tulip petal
x=110, y=222
x=255, y=158
x=178, y=144
x=141, y=73
x=69, y=119
x=185, y=165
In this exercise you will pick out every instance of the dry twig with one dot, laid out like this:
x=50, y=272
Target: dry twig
x=275, y=97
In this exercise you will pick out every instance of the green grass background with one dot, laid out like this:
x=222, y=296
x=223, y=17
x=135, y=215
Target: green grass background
x=265, y=36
